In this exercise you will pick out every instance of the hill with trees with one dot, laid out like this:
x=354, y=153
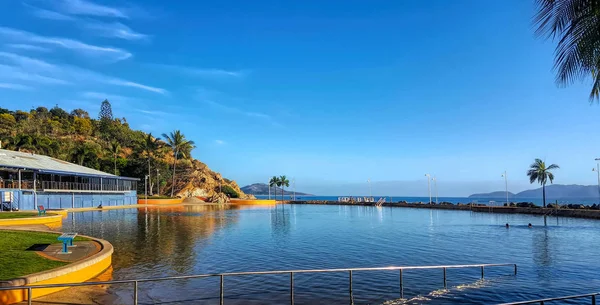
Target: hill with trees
x=110, y=145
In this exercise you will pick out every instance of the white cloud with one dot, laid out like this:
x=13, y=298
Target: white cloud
x=14, y=86
x=48, y=14
x=219, y=142
x=110, y=53
x=124, y=83
x=152, y=112
x=12, y=72
x=27, y=47
x=205, y=72
x=106, y=96
x=67, y=73
x=238, y=111
x=88, y=8
x=115, y=30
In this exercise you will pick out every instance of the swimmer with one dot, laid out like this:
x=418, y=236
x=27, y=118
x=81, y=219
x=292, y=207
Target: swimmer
x=529, y=225
x=507, y=225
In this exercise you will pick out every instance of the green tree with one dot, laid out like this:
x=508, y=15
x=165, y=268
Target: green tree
x=575, y=24
x=8, y=124
x=180, y=145
x=115, y=149
x=83, y=126
x=273, y=183
x=540, y=173
x=80, y=113
x=283, y=182
x=230, y=191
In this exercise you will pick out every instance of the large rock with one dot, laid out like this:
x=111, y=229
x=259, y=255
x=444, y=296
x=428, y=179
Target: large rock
x=199, y=181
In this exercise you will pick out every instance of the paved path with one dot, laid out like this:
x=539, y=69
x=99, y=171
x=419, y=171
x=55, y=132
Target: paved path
x=79, y=251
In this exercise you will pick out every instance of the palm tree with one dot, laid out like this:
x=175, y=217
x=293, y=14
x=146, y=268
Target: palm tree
x=538, y=171
x=180, y=146
x=283, y=183
x=273, y=183
x=150, y=146
x=115, y=149
x=574, y=23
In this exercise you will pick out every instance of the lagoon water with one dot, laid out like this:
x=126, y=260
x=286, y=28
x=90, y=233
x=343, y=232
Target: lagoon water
x=559, y=258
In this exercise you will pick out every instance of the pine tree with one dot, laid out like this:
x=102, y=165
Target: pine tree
x=105, y=111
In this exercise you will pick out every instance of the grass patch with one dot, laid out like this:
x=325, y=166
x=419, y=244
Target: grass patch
x=17, y=261
x=13, y=215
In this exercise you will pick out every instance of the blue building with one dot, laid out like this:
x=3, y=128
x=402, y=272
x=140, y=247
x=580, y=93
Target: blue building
x=29, y=180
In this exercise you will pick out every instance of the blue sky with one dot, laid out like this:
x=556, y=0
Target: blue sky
x=328, y=92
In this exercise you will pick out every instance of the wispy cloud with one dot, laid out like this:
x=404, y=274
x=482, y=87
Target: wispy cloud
x=115, y=30
x=124, y=83
x=67, y=73
x=238, y=111
x=28, y=47
x=14, y=86
x=205, y=72
x=48, y=14
x=105, y=96
x=16, y=73
x=110, y=53
x=219, y=142
x=152, y=112
x=88, y=8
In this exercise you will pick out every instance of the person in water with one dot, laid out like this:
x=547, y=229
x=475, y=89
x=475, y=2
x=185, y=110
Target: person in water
x=529, y=225
x=507, y=225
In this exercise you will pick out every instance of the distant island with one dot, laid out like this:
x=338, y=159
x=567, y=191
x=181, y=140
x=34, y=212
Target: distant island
x=263, y=189
x=552, y=191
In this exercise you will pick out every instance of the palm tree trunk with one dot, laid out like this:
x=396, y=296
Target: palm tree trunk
x=115, y=164
x=544, y=194
x=174, y=165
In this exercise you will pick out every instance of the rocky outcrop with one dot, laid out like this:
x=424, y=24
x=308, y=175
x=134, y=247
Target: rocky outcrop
x=198, y=180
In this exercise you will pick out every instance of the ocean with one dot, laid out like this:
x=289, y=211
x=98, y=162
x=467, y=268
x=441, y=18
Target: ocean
x=455, y=200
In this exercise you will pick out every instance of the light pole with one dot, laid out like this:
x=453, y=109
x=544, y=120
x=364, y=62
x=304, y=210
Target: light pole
x=294, y=183
x=436, y=190
x=269, y=184
x=157, y=183
x=370, y=191
x=146, y=188
x=429, y=186
x=597, y=170
x=506, y=186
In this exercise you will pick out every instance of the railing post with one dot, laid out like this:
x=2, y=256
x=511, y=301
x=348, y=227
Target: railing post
x=541, y=302
x=401, y=285
x=292, y=288
x=135, y=292
x=482, y=272
x=222, y=290
x=351, y=297
x=515, y=269
x=445, y=278
x=594, y=300
x=29, y=295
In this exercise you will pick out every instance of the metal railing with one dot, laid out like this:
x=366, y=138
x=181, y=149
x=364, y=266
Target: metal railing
x=53, y=185
x=570, y=297
x=290, y=272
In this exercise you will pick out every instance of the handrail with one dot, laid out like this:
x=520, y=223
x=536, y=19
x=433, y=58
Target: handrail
x=570, y=297
x=135, y=282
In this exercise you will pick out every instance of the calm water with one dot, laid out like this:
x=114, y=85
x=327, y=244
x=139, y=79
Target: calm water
x=560, y=258
x=455, y=200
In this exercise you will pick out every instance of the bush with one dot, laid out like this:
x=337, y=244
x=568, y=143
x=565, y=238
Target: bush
x=230, y=191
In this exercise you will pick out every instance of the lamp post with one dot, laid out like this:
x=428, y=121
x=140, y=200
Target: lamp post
x=157, y=183
x=436, y=190
x=597, y=170
x=506, y=186
x=294, y=183
x=429, y=186
x=269, y=184
x=146, y=188
x=370, y=191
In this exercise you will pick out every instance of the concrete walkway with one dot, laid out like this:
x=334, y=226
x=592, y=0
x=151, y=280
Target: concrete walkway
x=79, y=251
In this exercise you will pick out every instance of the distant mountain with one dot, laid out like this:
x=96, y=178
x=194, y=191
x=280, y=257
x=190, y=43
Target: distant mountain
x=498, y=194
x=263, y=189
x=552, y=191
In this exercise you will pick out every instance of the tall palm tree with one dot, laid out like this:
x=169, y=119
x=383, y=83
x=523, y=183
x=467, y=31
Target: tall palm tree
x=115, y=149
x=575, y=24
x=283, y=182
x=273, y=183
x=151, y=144
x=180, y=146
x=540, y=173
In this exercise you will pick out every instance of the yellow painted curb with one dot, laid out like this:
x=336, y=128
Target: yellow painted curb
x=41, y=220
x=161, y=201
x=253, y=201
x=76, y=272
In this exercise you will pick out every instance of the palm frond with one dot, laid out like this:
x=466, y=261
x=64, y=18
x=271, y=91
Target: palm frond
x=553, y=166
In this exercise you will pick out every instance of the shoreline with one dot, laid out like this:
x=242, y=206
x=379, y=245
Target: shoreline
x=560, y=212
